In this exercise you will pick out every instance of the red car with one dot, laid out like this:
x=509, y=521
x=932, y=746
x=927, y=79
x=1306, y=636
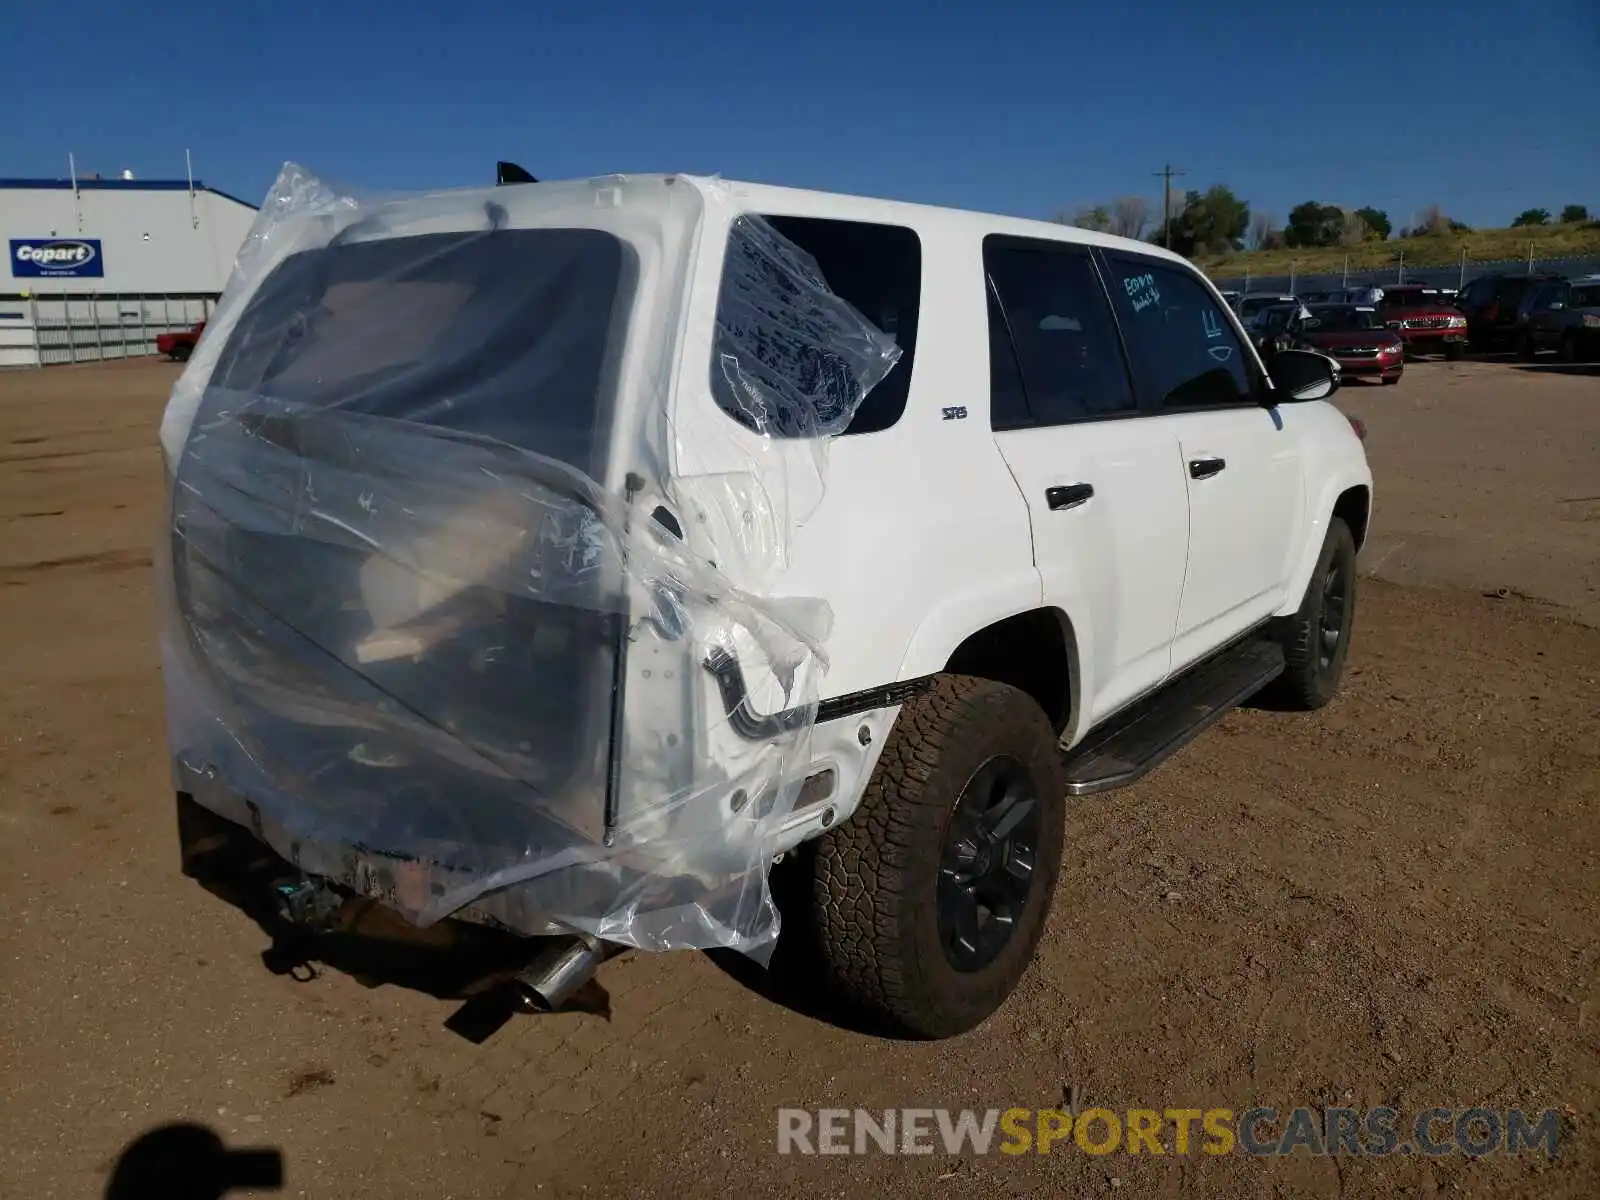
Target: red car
x=1425, y=320
x=1355, y=337
x=179, y=344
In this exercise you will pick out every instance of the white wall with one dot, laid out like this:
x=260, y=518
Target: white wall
x=150, y=240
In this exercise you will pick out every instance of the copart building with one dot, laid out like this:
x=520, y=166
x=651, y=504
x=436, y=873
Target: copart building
x=96, y=268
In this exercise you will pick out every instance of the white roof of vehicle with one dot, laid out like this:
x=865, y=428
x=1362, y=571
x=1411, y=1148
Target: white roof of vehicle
x=785, y=201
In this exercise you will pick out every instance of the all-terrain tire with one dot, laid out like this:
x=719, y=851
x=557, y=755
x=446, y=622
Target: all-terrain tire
x=1313, y=668
x=875, y=879
x=180, y=353
x=1569, y=347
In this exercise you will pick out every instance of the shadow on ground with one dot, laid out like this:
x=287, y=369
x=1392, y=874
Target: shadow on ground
x=1560, y=368
x=452, y=960
x=190, y=1162
x=794, y=977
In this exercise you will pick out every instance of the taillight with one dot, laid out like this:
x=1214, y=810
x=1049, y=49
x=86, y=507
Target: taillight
x=1358, y=425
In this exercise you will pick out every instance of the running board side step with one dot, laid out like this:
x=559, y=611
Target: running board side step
x=1136, y=740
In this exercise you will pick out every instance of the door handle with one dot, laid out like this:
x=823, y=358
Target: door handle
x=1068, y=496
x=1205, y=468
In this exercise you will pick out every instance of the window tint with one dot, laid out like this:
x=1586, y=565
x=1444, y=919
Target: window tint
x=878, y=270
x=509, y=335
x=1542, y=297
x=1586, y=297
x=1184, y=349
x=1063, y=337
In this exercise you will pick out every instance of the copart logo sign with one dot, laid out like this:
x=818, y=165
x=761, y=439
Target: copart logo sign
x=57, y=258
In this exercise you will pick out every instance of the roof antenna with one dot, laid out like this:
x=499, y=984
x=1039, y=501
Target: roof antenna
x=509, y=172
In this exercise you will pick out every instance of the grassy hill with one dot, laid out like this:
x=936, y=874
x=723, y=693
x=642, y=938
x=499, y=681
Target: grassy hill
x=1429, y=250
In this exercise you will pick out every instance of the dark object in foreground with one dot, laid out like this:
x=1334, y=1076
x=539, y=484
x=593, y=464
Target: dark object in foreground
x=190, y=1162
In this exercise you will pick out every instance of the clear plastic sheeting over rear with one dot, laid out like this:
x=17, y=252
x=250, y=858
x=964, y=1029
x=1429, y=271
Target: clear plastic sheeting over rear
x=433, y=627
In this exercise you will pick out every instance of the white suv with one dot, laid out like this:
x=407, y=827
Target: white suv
x=557, y=556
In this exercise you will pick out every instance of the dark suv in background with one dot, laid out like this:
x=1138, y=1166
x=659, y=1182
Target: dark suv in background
x=1490, y=304
x=1564, y=317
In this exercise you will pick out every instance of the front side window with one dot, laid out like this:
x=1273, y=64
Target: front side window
x=877, y=270
x=1184, y=349
x=1556, y=293
x=1067, y=357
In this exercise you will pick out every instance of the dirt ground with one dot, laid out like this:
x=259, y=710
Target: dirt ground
x=1394, y=901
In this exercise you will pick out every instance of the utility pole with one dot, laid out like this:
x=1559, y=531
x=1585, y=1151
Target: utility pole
x=1166, y=175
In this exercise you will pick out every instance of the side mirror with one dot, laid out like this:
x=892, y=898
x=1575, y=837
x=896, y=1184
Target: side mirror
x=1302, y=375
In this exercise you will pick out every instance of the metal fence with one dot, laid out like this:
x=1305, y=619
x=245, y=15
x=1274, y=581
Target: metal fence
x=1456, y=276
x=42, y=329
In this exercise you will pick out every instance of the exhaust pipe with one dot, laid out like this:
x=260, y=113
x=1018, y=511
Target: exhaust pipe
x=554, y=977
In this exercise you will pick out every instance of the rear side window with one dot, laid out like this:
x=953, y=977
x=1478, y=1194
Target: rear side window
x=1586, y=297
x=1184, y=349
x=1055, y=356
x=877, y=270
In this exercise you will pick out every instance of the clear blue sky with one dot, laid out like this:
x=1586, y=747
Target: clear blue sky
x=1030, y=108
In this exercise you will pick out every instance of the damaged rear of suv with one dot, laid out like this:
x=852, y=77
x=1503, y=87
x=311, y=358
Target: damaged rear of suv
x=556, y=556
x=457, y=596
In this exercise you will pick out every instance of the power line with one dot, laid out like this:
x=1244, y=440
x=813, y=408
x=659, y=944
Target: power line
x=1165, y=175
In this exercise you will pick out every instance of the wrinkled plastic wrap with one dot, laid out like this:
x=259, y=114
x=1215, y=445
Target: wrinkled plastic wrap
x=434, y=626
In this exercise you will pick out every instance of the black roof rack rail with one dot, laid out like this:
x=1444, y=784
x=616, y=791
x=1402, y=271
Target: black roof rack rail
x=509, y=172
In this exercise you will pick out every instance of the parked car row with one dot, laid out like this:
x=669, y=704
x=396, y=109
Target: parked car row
x=1371, y=331
x=1368, y=331
x=1522, y=312
x=1354, y=336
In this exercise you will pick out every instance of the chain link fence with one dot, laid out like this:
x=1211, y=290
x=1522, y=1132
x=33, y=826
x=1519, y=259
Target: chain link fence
x=42, y=329
x=1456, y=276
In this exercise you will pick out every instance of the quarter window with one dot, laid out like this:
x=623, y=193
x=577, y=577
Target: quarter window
x=1055, y=356
x=877, y=269
x=1184, y=349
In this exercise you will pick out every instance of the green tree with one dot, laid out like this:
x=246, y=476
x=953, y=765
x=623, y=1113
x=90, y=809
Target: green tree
x=1313, y=224
x=1377, y=221
x=1212, y=222
x=1532, y=216
x=1096, y=218
x=1573, y=214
